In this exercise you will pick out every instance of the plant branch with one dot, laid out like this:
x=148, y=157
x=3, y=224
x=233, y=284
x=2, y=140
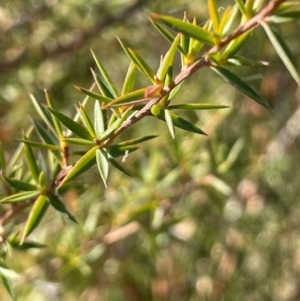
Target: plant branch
x=203, y=62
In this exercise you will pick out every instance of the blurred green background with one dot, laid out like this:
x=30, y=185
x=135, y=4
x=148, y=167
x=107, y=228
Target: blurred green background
x=204, y=218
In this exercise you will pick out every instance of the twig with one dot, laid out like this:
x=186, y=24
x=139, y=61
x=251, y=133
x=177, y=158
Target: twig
x=187, y=72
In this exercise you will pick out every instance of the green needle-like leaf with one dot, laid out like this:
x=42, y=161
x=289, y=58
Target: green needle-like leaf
x=56, y=123
x=79, y=141
x=37, y=212
x=94, y=95
x=285, y=17
x=41, y=145
x=27, y=244
x=214, y=15
x=7, y=272
x=87, y=122
x=106, y=77
x=235, y=45
x=45, y=134
x=135, y=141
x=129, y=79
x=45, y=116
x=197, y=106
x=103, y=164
x=282, y=50
x=191, y=30
x=98, y=120
x=182, y=124
x=134, y=95
x=169, y=122
x=119, y=151
x=82, y=165
x=139, y=62
x=17, y=155
x=19, y=185
x=20, y=197
x=166, y=34
x=241, y=6
x=61, y=207
x=31, y=161
x=8, y=286
x=118, y=166
x=73, y=126
x=240, y=85
x=168, y=59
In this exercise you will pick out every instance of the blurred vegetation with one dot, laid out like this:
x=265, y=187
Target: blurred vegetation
x=204, y=218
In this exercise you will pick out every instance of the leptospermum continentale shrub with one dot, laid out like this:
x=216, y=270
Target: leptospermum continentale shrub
x=38, y=183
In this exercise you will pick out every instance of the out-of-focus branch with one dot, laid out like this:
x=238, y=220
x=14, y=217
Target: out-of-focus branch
x=80, y=40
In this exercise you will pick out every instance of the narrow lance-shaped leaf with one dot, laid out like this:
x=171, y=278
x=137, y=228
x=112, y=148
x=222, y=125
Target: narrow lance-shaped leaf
x=20, y=197
x=8, y=286
x=182, y=124
x=169, y=122
x=191, y=30
x=214, y=15
x=37, y=212
x=43, y=181
x=104, y=89
x=235, y=45
x=45, y=116
x=20, y=185
x=94, y=95
x=98, y=120
x=57, y=124
x=102, y=86
x=121, y=151
x=134, y=95
x=84, y=103
x=241, y=6
x=282, y=50
x=196, y=45
x=75, y=127
x=41, y=145
x=285, y=17
x=227, y=23
x=87, y=122
x=168, y=59
x=61, y=207
x=249, y=7
x=139, y=62
x=185, y=39
x=115, y=125
x=118, y=166
x=106, y=77
x=240, y=85
x=83, y=164
x=45, y=134
x=49, y=139
x=27, y=244
x=31, y=161
x=129, y=79
x=135, y=141
x=7, y=272
x=103, y=164
x=197, y=106
x=79, y=141
x=232, y=156
x=17, y=155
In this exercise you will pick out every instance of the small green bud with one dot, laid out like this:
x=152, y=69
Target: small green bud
x=155, y=109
